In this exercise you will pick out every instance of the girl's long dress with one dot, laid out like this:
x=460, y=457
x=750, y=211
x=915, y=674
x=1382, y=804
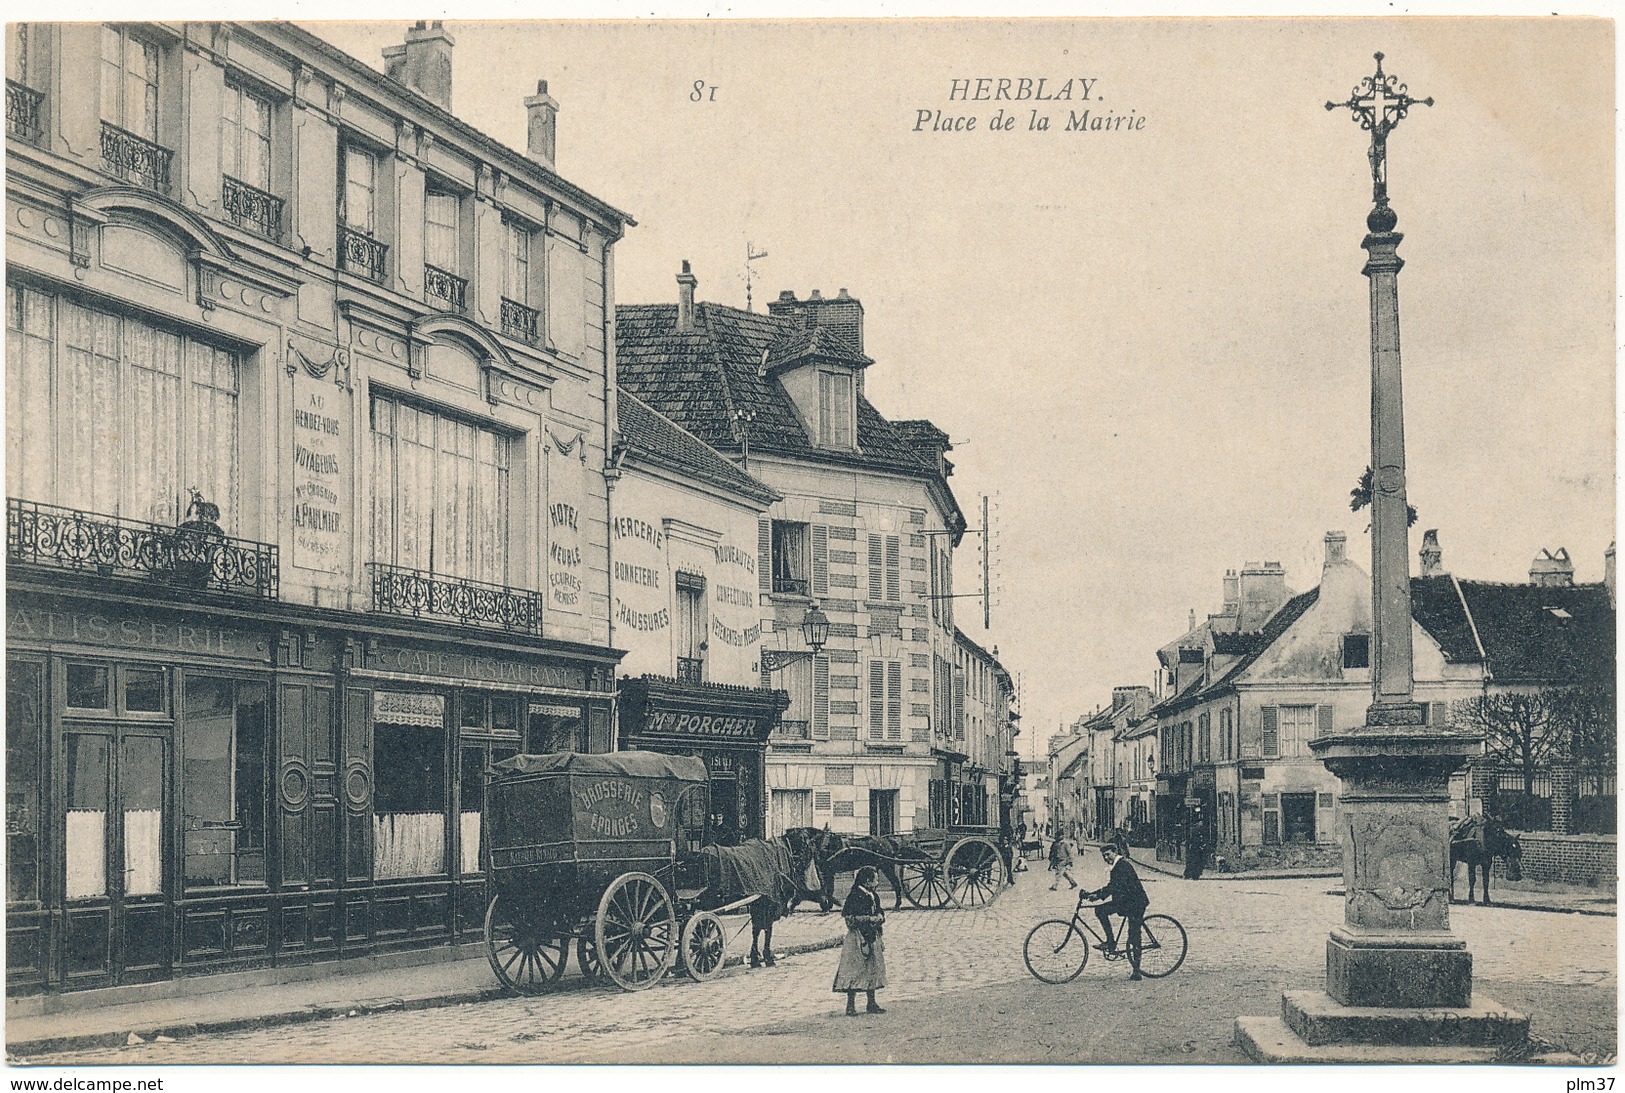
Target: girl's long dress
x=863, y=965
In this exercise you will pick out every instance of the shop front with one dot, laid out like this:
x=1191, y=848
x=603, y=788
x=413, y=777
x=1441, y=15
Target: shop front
x=726, y=726
x=1171, y=814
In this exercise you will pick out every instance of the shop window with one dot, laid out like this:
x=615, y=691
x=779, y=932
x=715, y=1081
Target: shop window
x=144, y=690
x=87, y=789
x=141, y=787
x=223, y=781
x=409, y=763
x=25, y=726
x=791, y=569
x=555, y=727
x=90, y=687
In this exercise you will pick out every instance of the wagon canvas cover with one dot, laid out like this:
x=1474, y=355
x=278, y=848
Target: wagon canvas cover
x=635, y=764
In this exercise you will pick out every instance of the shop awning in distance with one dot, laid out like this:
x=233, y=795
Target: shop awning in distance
x=637, y=764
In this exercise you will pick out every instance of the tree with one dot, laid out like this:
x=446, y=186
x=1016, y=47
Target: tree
x=1520, y=729
x=1360, y=497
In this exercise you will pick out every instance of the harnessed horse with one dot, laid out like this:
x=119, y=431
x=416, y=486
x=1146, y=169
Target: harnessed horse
x=1478, y=841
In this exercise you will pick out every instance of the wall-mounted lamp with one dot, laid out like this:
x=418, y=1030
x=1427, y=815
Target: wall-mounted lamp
x=814, y=631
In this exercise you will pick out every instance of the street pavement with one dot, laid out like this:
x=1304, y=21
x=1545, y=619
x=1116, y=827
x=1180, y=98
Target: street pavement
x=960, y=992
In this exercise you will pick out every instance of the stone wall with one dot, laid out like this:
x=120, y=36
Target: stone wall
x=1571, y=859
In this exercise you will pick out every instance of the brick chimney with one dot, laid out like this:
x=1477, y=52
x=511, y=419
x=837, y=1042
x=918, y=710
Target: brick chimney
x=424, y=62
x=1432, y=557
x=1263, y=591
x=1550, y=570
x=843, y=314
x=1336, y=548
x=686, y=283
x=542, y=127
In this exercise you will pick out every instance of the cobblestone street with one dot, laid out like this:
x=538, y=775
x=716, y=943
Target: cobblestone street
x=961, y=993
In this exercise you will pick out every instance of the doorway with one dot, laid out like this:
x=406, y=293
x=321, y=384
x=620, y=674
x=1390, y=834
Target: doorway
x=882, y=812
x=1298, y=817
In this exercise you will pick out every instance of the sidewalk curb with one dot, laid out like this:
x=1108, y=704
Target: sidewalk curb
x=1510, y=906
x=18, y=1051
x=1158, y=867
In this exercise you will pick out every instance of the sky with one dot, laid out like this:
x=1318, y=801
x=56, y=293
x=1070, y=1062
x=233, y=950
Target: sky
x=1149, y=345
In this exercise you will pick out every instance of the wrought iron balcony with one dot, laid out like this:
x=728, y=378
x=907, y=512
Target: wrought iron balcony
x=136, y=159
x=789, y=586
x=447, y=290
x=196, y=555
x=519, y=321
x=23, y=110
x=251, y=207
x=690, y=670
x=399, y=591
x=793, y=730
x=361, y=253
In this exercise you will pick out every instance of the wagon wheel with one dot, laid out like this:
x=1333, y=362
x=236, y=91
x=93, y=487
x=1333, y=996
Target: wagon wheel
x=635, y=931
x=975, y=872
x=587, y=957
x=925, y=884
x=523, y=954
x=704, y=946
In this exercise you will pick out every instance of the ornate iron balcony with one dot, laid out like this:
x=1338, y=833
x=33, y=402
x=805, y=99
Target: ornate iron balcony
x=136, y=159
x=196, y=555
x=789, y=586
x=690, y=670
x=361, y=253
x=22, y=111
x=399, y=591
x=447, y=289
x=793, y=730
x=519, y=321
x=251, y=207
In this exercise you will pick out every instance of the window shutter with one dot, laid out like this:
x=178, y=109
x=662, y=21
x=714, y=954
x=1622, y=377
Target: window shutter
x=877, y=700
x=1324, y=728
x=876, y=560
x=894, y=700
x=894, y=569
x=764, y=555
x=821, y=800
x=1272, y=731
x=820, y=566
x=1437, y=715
x=820, y=726
x=959, y=704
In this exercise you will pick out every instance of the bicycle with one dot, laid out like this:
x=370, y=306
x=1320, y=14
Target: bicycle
x=1057, y=949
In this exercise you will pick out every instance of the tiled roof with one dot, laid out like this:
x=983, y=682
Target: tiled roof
x=1532, y=633
x=1278, y=624
x=1236, y=645
x=658, y=440
x=704, y=379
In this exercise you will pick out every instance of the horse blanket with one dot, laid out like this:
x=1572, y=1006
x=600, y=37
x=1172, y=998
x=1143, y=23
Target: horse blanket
x=756, y=867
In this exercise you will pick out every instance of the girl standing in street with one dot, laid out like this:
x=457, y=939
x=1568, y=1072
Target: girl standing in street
x=1060, y=862
x=863, y=954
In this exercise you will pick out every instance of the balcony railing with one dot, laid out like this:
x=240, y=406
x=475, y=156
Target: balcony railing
x=193, y=557
x=519, y=321
x=789, y=586
x=444, y=288
x=690, y=670
x=793, y=730
x=136, y=159
x=251, y=207
x=361, y=253
x=22, y=111
x=399, y=591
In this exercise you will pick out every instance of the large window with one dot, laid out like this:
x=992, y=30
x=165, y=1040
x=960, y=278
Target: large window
x=409, y=765
x=129, y=83
x=836, y=410
x=516, y=262
x=440, y=231
x=791, y=568
x=245, y=137
x=107, y=414
x=692, y=628
x=25, y=725
x=360, y=189
x=441, y=501
x=223, y=772
x=490, y=734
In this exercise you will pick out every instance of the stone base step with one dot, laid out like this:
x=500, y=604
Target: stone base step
x=1317, y=1019
x=1269, y=1040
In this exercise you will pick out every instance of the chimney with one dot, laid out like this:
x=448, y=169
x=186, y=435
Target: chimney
x=542, y=127
x=1336, y=548
x=1432, y=556
x=1232, y=592
x=1263, y=591
x=1192, y=625
x=1608, y=572
x=686, y=283
x=424, y=62
x=1550, y=570
x=842, y=314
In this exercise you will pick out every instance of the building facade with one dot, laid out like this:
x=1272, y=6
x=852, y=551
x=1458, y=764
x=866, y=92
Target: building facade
x=986, y=704
x=309, y=405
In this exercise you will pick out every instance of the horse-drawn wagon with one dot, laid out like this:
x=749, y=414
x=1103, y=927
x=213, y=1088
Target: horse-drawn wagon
x=931, y=867
x=608, y=852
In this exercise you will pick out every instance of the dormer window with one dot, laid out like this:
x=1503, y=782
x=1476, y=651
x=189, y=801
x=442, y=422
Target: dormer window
x=1356, y=650
x=837, y=410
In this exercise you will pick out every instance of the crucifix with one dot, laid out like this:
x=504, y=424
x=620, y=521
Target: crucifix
x=1378, y=103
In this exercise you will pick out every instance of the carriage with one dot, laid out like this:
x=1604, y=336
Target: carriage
x=932, y=868
x=602, y=851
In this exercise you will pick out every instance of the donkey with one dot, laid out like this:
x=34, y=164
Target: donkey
x=1478, y=841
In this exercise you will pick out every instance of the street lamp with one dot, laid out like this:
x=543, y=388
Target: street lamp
x=814, y=631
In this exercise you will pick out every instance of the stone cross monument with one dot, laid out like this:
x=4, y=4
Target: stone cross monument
x=1397, y=979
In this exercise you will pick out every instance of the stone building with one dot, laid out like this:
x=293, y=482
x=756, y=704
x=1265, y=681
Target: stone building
x=986, y=709
x=865, y=527
x=309, y=404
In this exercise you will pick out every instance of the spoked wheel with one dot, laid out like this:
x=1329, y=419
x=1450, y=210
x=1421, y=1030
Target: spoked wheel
x=976, y=873
x=704, y=946
x=924, y=884
x=1056, y=951
x=587, y=957
x=636, y=931
x=525, y=957
x=1162, y=947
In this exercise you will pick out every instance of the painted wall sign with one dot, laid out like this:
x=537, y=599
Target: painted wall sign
x=466, y=666
x=319, y=461
x=617, y=810
x=735, y=618
x=673, y=723
x=640, y=575
x=567, y=494
x=24, y=623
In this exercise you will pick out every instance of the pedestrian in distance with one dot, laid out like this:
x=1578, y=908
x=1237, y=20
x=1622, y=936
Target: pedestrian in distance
x=1060, y=862
x=863, y=953
x=1124, y=896
x=1120, y=842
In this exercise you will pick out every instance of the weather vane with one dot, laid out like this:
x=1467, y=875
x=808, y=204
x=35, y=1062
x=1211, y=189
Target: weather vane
x=1379, y=102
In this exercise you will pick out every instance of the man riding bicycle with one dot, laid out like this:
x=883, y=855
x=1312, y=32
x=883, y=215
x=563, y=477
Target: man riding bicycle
x=1125, y=896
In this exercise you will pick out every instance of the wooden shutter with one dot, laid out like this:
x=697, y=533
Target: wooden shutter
x=820, y=725
x=820, y=560
x=1324, y=724
x=894, y=700
x=959, y=703
x=1272, y=731
x=877, y=587
x=877, y=700
x=764, y=555
x=894, y=568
